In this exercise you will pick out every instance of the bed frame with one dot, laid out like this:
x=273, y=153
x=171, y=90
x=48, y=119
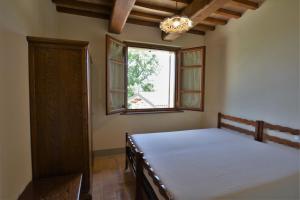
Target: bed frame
x=136, y=161
x=139, y=165
x=265, y=137
x=256, y=124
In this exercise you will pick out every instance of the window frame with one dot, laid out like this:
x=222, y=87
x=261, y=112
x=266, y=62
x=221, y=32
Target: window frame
x=178, y=84
x=109, y=111
x=154, y=47
x=202, y=89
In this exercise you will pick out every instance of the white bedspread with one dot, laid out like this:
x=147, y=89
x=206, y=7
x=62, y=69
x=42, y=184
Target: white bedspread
x=221, y=164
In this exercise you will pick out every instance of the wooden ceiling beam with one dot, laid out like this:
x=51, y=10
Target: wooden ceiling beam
x=198, y=11
x=205, y=27
x=215, y=21
x=107, y=17
x=82, y=12
x=142, y=22
x=228, y=13
x=198, y=32
x=83, y=5
x=120, y=13
x=155, y=7
x=183, y=1
x=103, y=16
x=245, y=4
x=99, y=2
x=146, y=15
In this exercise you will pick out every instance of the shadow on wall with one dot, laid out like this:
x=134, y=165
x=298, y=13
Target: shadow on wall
x=223, y=67
x=15, y=167
x=216, y=73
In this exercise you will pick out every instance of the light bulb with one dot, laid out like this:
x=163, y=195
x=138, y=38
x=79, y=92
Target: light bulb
x=176, y=23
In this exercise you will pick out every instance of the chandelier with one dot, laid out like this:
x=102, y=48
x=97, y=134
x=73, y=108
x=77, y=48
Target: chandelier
x=176, y=24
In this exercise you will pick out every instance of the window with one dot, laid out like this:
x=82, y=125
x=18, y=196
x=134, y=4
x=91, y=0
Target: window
x=143, y=77
x=151, y=78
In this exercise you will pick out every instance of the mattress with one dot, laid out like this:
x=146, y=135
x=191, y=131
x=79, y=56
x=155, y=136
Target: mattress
x=221, y=164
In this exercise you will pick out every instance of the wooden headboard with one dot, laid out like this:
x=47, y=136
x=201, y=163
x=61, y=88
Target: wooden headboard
x=255, y=124
x=267, y=137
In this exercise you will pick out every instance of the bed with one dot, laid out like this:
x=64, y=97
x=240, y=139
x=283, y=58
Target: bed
x=215, y=163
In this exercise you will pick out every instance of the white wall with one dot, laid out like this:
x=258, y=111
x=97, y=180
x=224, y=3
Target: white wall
x=257, y=59
x=109, y=131
x=17, y=19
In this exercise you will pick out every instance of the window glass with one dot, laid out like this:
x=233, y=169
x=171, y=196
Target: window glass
x=151, y=78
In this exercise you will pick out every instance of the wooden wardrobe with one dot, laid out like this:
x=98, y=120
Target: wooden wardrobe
x=60, y=109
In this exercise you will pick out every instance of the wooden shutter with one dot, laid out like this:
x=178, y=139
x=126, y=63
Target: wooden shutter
x=115, y=75
x=191, y=79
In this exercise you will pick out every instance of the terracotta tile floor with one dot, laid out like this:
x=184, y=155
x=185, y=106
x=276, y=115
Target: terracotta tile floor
x=110, y=181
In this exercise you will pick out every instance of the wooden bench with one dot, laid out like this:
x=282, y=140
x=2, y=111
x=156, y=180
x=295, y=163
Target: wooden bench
x=54, y=188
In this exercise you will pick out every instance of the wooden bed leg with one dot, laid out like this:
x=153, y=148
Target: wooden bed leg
x=126, y=158
x=126, y=151
x=139, y=176
x=219, y=119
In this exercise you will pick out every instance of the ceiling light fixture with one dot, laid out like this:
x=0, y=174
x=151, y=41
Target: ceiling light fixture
x=176, y=24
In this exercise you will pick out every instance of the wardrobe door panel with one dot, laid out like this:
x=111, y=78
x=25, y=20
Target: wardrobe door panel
x=59, y=100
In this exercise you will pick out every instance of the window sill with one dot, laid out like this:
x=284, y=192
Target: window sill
x=134, y=112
